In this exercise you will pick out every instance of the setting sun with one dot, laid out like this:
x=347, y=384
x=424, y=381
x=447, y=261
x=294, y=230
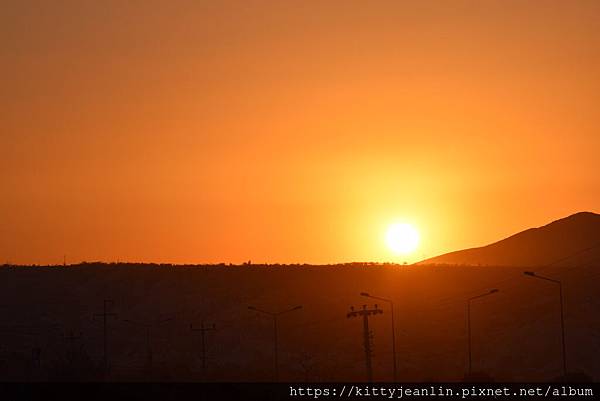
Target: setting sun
x=402, y=238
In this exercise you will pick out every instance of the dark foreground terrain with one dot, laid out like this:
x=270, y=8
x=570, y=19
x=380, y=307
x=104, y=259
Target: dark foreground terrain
x=50, y=329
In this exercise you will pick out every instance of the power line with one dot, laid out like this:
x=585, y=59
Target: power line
x=577, y=253
x=518, y=275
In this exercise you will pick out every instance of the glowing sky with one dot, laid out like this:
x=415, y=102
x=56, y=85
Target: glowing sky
x=291, y=131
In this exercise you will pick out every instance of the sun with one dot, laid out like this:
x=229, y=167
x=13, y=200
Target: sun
x=402, y=238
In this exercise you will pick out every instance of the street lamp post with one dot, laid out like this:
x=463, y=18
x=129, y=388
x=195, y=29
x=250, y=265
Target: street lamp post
x=274, y=316
x=562, y=317
x=365, y=294
x=490, y=292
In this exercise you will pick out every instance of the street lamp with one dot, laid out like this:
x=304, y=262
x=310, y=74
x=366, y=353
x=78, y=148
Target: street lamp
x=562, y=318
x=366, y=294
x=490, y=292
x=274, y=315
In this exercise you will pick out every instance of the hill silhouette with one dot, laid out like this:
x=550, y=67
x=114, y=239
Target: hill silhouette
x=317, y=343
x=570, y=241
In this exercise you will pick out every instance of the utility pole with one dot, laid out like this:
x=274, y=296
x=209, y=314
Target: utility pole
x=365, y=313
x=202, y=330
x=107, y=304
x=366, y=294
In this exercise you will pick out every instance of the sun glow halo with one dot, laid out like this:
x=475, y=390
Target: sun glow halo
x=402, y=238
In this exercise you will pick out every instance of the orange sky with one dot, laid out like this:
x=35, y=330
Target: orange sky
x=284, y=131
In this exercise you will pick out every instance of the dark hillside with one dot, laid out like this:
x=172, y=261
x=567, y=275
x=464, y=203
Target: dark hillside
x=516, y=333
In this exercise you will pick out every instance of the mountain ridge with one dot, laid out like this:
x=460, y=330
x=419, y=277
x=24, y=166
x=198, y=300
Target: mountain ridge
x=567, y=238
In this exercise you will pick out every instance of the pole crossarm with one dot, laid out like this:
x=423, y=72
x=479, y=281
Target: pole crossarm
x=363, y=312
x=394, y=362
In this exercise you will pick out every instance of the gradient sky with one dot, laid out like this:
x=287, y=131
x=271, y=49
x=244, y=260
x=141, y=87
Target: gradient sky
x=291, y=131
